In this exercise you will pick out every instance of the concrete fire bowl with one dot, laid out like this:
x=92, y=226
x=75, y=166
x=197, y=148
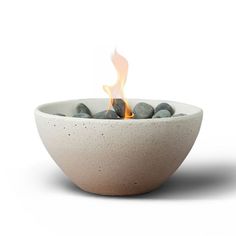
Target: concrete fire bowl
x=117, y=157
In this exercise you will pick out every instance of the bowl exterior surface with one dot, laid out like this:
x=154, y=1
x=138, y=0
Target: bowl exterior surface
x=111, y=157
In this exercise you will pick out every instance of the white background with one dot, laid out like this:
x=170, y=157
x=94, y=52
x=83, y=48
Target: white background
x=59, y=50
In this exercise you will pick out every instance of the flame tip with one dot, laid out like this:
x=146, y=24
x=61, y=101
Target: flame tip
x=116, y=91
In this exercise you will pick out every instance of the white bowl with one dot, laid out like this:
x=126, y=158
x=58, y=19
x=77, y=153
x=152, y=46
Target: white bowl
x=117, y=157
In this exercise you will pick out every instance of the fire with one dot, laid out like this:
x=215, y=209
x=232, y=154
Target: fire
x=116, y=91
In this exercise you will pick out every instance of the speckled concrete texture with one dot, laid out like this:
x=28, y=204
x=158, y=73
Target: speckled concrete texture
x=117, y=157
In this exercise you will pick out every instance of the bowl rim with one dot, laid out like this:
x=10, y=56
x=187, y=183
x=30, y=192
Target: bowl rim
x=39, y=112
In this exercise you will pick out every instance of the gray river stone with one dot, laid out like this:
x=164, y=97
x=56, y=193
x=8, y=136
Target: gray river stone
x=143, y=110
x=164, y=106
x=82, y=115
x=119, y=106
x=107, y=114
x=82, y=108
x=162, y=114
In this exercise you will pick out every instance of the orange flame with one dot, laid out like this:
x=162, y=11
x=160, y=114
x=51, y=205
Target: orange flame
x=116, y=91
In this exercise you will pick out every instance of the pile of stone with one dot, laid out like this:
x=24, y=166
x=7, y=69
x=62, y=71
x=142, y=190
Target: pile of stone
x=141, y=110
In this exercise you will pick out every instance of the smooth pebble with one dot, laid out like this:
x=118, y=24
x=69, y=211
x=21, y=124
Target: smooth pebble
x=82, y=115
x=162, y=114
x=164, y=106
x=143, y=110
x=107, y=114
x=119, y=106
x=82, y=108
